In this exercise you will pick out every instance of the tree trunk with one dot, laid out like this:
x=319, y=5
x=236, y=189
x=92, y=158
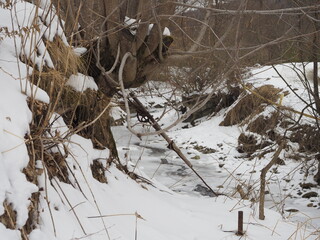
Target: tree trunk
x=315, y=65
x=100, y=26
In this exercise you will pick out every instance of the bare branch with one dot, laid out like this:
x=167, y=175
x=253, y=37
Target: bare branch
x=283, y=11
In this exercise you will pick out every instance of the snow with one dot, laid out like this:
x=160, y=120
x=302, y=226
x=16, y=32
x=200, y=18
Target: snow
x=75, y=210
x=225, y=168
x=166, y=32
x=293, y=73
x=79, y=50
x=166, y=215
x=9, y=234
x=133, y=25
x=15, y=117
x=81, y=82
x=117, y=114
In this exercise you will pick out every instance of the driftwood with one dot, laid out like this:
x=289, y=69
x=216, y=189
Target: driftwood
x=143, y=112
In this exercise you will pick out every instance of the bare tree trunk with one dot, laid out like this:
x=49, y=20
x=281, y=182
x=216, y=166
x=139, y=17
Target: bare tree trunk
x=101, y=27
x=263, y=180
x=315, y=66
x=316, y=86
x=317, y=176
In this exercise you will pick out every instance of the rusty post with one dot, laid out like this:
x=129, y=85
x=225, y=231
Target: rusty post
x=240, y=223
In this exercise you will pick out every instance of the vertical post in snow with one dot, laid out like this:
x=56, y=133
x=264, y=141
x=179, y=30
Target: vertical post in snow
x=240, y=223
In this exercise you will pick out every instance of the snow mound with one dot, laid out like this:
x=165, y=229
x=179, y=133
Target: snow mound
x=81, y=82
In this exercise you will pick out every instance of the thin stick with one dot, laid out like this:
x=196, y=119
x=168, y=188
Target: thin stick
x=136, y=229
x=114, y=215
x=283, y=11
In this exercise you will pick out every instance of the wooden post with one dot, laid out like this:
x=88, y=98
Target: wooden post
x=240, y=223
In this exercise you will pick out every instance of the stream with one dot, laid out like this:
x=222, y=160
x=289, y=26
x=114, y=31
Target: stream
x=151, y=156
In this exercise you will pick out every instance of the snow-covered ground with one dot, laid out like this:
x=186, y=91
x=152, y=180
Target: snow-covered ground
x=84, y=208
x=223, y=167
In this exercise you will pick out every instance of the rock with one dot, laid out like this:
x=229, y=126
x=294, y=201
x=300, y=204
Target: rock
x=158, y=106
x=181, y=172
x=307, y=185
x=197, y=157
x=204, y=150
x=310, y=195
x=164, y=161
x=280, y=161
x=204, y=191
x=292, y=210
x=98, y=171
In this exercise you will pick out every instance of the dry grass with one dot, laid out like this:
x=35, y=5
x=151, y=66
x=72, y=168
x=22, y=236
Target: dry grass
x=265, y=125
x=66, y=63
x=251, y=105
x=249, y=144
x=9, y=217
x=63, y=57
x=76, y=108
x=307, y=137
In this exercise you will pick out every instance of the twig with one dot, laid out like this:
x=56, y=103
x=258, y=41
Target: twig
x=288, y=11
x=114, y=215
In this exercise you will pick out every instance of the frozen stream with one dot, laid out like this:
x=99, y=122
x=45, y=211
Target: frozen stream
x=152, y=157
x=162, y=164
